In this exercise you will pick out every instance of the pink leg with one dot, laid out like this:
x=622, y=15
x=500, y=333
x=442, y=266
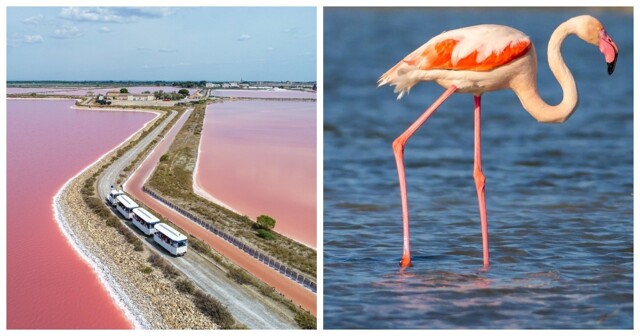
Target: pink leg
x=398, y=151
x=478, y=176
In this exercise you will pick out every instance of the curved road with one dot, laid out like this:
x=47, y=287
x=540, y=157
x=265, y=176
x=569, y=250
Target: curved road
x=245, y=308
x=110, y=175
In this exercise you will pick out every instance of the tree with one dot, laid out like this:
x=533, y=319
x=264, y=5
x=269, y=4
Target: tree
x=124, y=90
x=184, y=92
x=266, y=222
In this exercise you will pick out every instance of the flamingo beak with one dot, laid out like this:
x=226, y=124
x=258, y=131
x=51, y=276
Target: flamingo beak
x=609, y=49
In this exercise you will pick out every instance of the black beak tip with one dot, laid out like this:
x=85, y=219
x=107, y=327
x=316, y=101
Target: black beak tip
x=612, y=65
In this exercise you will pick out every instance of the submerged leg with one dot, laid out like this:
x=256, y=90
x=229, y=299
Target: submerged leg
x=478, y=176
x=398, y=151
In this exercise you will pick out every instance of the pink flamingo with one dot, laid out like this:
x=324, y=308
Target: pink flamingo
x=484, y=58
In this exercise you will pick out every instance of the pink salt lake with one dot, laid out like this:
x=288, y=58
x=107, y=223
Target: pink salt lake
x=259, y=157
x=49, y=286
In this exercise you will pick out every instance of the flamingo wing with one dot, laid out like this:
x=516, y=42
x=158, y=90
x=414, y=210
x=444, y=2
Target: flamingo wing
x=475, y=48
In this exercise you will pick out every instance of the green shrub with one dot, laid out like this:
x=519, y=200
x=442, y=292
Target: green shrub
x=264, y=234
x=164, y=157
x=146, y=270
x=239, y=275
x=112, y=222
x=198, y=245
x=167, y=269
x=265, y=222
x=185, y=286
x=267, y=291
x=305, y=320
x=211, y=307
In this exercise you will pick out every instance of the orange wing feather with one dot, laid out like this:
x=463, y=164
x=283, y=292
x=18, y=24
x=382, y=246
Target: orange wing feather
x=439, y=55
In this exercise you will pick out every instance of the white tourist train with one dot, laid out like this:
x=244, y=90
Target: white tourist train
x=125, y=206
x=164, y=235
x=170, y=239
x=111, y=198
x=144, y=221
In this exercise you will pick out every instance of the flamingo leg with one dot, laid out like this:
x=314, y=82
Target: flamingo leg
x=398, y=151
x=479, y=178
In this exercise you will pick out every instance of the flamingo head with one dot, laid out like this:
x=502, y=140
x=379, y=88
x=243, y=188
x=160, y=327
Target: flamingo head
x=592, y=31
x=609, y=49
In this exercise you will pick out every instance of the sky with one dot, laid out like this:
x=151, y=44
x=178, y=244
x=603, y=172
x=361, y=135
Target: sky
x=161, y=43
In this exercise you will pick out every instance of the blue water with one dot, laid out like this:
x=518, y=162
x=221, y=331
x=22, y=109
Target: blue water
x=559, y=196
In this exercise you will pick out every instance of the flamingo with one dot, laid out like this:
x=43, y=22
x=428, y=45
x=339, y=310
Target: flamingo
x=484, y=58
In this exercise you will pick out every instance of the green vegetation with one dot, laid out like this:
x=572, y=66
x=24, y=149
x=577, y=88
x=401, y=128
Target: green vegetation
x=239, y=275
x=161, y=95
x=265, y=234
x=305, y=320
x=183, y=92
x=146, y=270
x=124, y=90
x=265, y=222
x=211, y=307
x=164, y=157
x=185, y=286
x=167, y=269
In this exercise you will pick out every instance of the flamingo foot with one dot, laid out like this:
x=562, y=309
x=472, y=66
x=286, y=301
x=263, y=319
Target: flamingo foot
x=405, y=261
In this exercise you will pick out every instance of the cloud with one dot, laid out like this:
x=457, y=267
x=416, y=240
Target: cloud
x=113, y=14
x=292, y=30
x=32, y=39
x=34, y=20
x=104, y=29
x=67, y=32
x=167, y=50
x=244, y=37
x=143, y=12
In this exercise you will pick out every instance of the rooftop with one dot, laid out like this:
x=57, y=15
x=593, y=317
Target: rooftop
x=126, y=201
x=145, y=215
x=170, y=232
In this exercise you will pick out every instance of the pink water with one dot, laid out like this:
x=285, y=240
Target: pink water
x=49, y=286
x=259, y=157
x=264, y=93
x=83, y=91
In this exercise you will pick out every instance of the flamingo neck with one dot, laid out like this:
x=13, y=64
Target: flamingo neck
x=528, y=90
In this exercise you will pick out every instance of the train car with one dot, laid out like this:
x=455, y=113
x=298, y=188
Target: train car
x=170, y=239
x=111, y=198
x=144, y=221
x=125, y=206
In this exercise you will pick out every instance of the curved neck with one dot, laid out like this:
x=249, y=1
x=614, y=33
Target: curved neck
x=528, y=90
